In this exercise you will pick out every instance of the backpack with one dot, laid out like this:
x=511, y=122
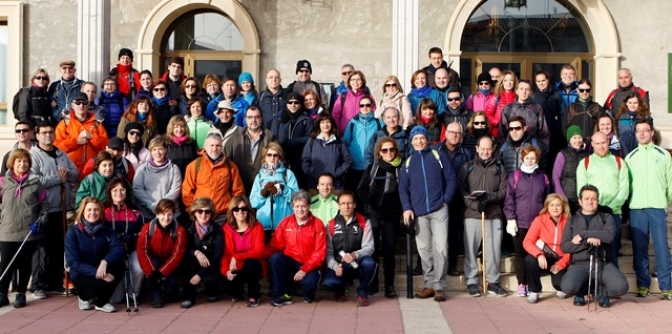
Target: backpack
x=472, y=163
x=15, y=103
x=152, y=228
x=516, y=176
x=618, y=162
x=352, y=125
x=434, y=152
x=332, y=223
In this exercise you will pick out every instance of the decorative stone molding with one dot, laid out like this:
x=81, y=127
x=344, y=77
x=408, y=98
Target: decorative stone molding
x=12, y=13
x=93, y=39
x=405, y=40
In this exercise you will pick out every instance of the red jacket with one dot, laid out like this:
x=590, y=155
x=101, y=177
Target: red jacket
x=306, y=244
x=256, y=233
x=161, y=246
x=544, y=228
x=494, y=110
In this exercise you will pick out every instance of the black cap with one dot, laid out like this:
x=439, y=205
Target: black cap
x=80, y=96
x=301, y=64
x=116, y=143
x=134, y=126
x=485, y=76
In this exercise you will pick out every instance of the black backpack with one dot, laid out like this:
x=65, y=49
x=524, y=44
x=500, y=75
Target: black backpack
x=15, y=103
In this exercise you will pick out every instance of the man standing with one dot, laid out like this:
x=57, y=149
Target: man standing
x=173, y=78
x=436, y=62
x=63, y=92
x=58, y=175
x=456, y=109
x=566, y=87
x=23, y=133
x=349, y=239
x=608, y=173
x=650, y=170
x=426, y=186
x=246, y=146
x=304, y=82
x=89, y=88
x=212, y=175
x=483, y=185
x=458, y=156
x=272, y=100
x=589, y=231
x=346, y=70
x=392, y=128
x=324, y=205
x=229, y=94
x=440, y=91
x=625, y=87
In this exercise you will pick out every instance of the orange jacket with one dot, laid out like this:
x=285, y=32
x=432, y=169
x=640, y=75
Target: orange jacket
x=67, y=133
x=544, y=228
x=215, y=181
x=306, y=244
x=256, y=234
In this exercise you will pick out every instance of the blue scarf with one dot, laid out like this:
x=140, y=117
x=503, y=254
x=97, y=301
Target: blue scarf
x=161, y=101
x=91, y=228
x=142, y=116
x=485, y=91
x=421, y=92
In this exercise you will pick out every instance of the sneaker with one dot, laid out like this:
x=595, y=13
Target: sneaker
x=643, y=292
x=107, y=308
x=560, y=294
x=39, y=294
x=308, y=299
x=362, y=302
x=439, y=296
x=579, y=301
x=666, y=295
x=211, y=299
x=20, y=300
x=533, y=297
x=252, y=302
x=425, y=293
x=282, y=300
x=84, y=305
x=186, y=304
x=473, y=290
x=522, y=290
x=236, y=298
x=157, y=301
x=495, y=288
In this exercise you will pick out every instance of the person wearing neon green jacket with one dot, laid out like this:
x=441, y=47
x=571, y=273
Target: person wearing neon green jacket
x=609, y=174
x=651, y=192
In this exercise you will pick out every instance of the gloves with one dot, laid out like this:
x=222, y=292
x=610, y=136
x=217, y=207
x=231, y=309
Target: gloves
x=482, y=197
x=155, y=276
x=269, y=188
x=511, y=227
x=482, y=205
x=278, y=189
x=35, y=228
x=264, y=192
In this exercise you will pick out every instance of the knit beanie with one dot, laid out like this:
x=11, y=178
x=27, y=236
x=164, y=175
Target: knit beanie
x=303, y=64
x=134, y=126
x=125, y=52
x=573, y=131
x=419, y=130
x=245, y=76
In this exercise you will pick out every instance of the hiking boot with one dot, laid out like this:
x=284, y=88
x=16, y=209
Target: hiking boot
x=425, y=293
x=560, y=295
x=84, y=305
x=20, y=300
x=107, y=308
x=3, y=300
x=473, y=290
x=533, y=297
x=211, y=299
x=308, y=299
x=496, y=289
x=666, y=295
x=643, y=292
x=362, y=302
x=522, y=290
x=439, y=296
x=603, y=298
x=282, y=300
x=39, y=294
x=253, y=302
x=339, y=297
x=579, y=301
x=390, y=292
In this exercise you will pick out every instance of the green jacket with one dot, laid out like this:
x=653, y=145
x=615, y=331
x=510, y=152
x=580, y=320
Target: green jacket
x=198, y=130
x=324, y=209
x=93, y=185
x=605, y=174
x=650, y=177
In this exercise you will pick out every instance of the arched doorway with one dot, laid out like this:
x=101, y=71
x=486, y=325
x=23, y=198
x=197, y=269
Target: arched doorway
x=214, y=36
x=527, y=36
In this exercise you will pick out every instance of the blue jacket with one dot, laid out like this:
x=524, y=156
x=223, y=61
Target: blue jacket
x=83, y=252
x=239, y=103
x=272, y=105
x=321, y=156
x=439, y=99
x=282, y=204
x=401, y=137
x=359, y=133
x=115, y=105
x=63, y=94
x=457, y=158
x=425, y=183
x=567, y=99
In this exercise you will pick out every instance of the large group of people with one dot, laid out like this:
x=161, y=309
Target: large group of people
x=179, y=184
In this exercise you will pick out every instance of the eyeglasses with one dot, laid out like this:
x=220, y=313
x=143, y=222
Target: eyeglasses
x=189, y=86
x=45, y=133
x=365, y=105
x=238, y=208
x=479, y=123
x=293, y=102
x=160, y=89
x=304, y=71
x=39, y=77
x=391, y=85
x=355, y=79
x=134, y=133
x=204, y=211
x=515, y=128
x=109, y=84
x=453, y=99
x=346, y=73
x=583, y=90
x=388, y=150
x=453, y=132
x=484, y=83
x=272, y=155
x=22, y=130
x=80, y=102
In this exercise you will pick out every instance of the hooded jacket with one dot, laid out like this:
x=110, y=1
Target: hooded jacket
x=582, y=114
x=358, y=135
x=399, y=101
x=509, y=154
x=426, y=182
x=153, y=183
x=272, y=105
x=67, y=133
x=34, y=106
x=292, y=133
x=460, y=115
x=346, y=108
x=219, y=181
x=182, y=155
x=115, y=105
x=92, y=185
x=650, y=171
x=534, y=120
x=198, y=129
x=568, y=93
x=280, y=205
x=494, y=111
x=330, y=155
x=168, y=251
x=605, y=174
x=83, y=251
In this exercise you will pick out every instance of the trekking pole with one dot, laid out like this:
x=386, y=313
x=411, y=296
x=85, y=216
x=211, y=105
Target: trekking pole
x=484, y=253
x=14, y=257
x=590, y=269
x=130, y=279
x=128, y=305
x=597, y=269
x=64, y=218
x=409, y=263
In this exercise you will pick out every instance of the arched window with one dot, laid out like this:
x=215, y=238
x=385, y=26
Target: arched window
x=525, y=37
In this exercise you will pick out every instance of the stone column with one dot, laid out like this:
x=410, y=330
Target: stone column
x=93, y=40
x=405, y=40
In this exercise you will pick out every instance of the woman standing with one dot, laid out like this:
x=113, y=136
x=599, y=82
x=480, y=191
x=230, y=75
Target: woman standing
x=181, y=149
x=564, y=168
x=156, y=180
x=95, y=257
x=312, y=104
x=477, y=127
x=605, y=124
x=163, y=110
x=292, y=130
x=197, y=124
x=212, y=87
x=527, y=188
x=205, y=246
x=426, y=117
x=24, y=209
x=247, y=89
x=347, y=104
x=273, y=188
x=146, y=81
x=632, y=110
x=325, y=152
x=190, y=89
x=134, y=149
x=139, y=111
x=358, y=135
x=122, y=217
x=542, y=244
x=114, y=103
x=419, y=90
x=379, y=190
x=94, y=184
x=506, y=95
x=34, y=103
x=393, y=96
x=242, y=261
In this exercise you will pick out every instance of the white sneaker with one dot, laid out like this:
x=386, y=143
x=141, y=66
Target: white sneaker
x=560, y=294
x=39, y=294
x=533, y=297
x=84, y=305
x=107, y=308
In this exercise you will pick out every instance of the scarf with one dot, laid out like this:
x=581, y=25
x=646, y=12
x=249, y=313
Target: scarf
x=421, y=92
x=271, y=170
x=528, y=169
x=161, y=101
x=478, y=133
x=485, y=91
x=312, y=113
x=20, y=181
x=366, y=117
x=165, y=162
x=201, y=230
x=391, y=166
x=91, y=227
x=142, y=116
x=224, y=127
x=179, y=140
x=425, y=119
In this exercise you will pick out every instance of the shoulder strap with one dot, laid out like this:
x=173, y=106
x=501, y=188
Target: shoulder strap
x=618, y=162
x=343, y=96
x=361, y=220
x=586, y=160
x=438, y=157
x=152, y=226
x=516, y=176
x=332, y=222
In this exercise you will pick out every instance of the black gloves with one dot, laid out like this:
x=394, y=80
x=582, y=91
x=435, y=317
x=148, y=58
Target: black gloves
x=155, y=277
x=482, y=197
x=482, y=205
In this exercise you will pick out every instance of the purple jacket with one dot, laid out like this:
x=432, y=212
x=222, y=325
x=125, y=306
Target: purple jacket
x=525, y=202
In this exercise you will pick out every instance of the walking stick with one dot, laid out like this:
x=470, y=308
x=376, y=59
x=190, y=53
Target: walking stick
x=14, y=257
x=484, y=253
x=590, y=269
x=64, y=207
x=409, y=263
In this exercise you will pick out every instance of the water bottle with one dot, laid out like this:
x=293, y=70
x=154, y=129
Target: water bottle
x=353, y=264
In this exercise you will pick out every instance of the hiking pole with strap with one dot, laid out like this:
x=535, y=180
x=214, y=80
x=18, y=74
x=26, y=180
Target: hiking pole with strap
x=590, y=269
x=597, y=270
x=409, y=262
x=15, y=255
x=131, y=287
x=484, y=253
x=65, y=230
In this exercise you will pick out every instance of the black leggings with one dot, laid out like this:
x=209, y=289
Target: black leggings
x=91, y=288
x=191, y=267
x=521, y=253
x=534, y=274
x=251, y=273
x=48, y=256
x=387, y=229
x=22, y=264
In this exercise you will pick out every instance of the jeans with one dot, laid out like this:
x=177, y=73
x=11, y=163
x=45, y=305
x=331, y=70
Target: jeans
x=283, y=268
x=367, y=266
x=653, y=222
x=169, y=284
x=431, y=236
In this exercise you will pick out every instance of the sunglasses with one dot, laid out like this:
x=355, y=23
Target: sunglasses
x=346, y=73
x=160, y=89
x=484, y=83
x=39, y=77
x=388, y=150
x=479, y=123
x=204, y=211
x=293, y=102
x=391, y=85
x=80, y=102
x=304, y=71
x=243, y=209
x=453, y=99
x=189, y=86
x=134, y=133
x=515, y=128
x=22, y=130
x=272, y=155
x=582, y=90
x=365, y=105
